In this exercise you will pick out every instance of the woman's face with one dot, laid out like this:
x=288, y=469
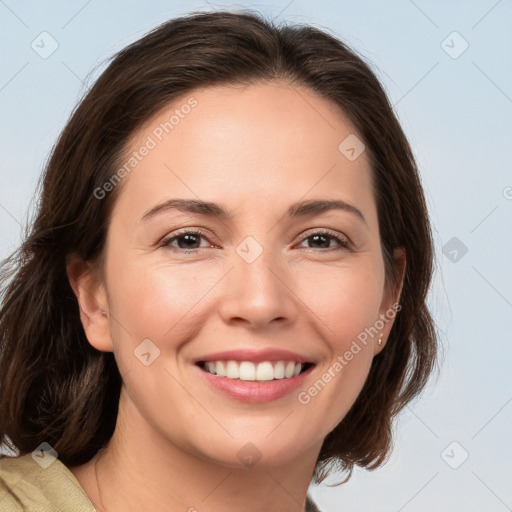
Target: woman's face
x=254, y=276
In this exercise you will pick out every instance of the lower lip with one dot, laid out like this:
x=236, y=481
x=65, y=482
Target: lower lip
x=255, y=392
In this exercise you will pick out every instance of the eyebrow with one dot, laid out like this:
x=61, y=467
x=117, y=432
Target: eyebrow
x=209, y=209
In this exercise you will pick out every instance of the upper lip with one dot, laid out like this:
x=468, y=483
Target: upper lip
x=255, y=356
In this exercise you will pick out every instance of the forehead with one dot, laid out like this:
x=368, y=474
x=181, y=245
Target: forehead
x=246, y=145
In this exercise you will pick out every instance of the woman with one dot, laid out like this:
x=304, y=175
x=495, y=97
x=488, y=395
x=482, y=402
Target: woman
x=172, y=336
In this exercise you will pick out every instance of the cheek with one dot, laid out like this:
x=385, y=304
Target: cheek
x=158, y=301
x=346, y=299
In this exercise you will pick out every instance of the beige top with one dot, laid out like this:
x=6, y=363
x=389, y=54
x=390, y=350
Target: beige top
x=27, y=486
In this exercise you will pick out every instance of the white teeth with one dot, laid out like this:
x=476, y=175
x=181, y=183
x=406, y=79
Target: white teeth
x=246, y=370
x=265, y=371
x=290, y=368
x=219, y=368
x=279, y=370
x=232, y=370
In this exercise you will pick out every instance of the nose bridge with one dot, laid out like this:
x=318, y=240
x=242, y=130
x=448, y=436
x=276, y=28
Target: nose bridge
x=260, y=271
x=258, y=291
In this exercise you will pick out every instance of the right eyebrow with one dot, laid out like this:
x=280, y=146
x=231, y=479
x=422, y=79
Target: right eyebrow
x=188, y=205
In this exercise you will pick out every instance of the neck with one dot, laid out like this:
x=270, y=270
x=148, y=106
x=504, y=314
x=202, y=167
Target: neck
x=141, y=470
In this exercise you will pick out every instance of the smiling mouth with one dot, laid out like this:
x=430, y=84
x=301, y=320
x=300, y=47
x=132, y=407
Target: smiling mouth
x=257, y=372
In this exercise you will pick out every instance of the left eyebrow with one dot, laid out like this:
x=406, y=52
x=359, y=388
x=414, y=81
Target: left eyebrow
x=317, y=207
x=300, y=209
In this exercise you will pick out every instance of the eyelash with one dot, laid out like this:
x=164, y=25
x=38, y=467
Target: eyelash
x=166, y=243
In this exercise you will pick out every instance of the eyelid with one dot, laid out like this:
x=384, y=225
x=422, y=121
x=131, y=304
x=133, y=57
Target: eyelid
x=314, y=231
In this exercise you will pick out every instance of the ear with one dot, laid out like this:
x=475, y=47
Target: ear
x=390, y=307
x=92, y=301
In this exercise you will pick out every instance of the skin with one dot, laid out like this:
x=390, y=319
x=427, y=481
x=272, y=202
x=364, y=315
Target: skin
x=254, y=150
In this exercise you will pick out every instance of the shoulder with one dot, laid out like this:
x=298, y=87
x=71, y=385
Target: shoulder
x=27, y=485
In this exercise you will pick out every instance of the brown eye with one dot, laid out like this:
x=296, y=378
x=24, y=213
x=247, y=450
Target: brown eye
x=186, y=241
x=323, y=239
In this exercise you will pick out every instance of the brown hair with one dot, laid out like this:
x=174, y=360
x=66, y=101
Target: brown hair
x=55, y=386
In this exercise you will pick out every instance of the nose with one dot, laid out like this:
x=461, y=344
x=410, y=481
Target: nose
x=258, y=294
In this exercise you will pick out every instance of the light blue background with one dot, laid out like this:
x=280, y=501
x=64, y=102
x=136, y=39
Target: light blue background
x=457, y=115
